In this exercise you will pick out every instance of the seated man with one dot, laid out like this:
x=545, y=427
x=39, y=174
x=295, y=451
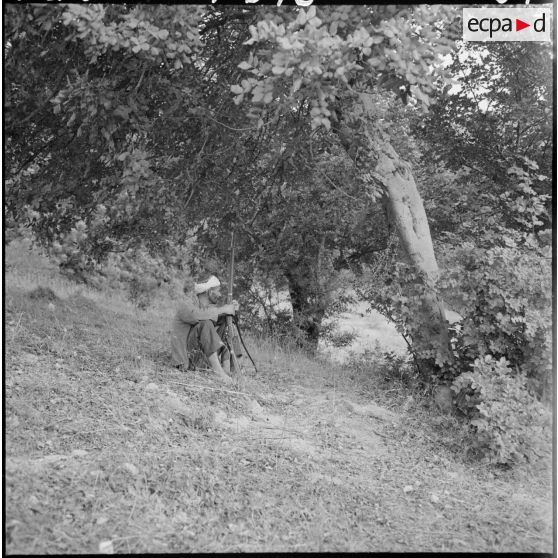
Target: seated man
x=201, y=325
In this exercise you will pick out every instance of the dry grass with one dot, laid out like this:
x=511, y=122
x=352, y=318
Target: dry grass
x=106, y=444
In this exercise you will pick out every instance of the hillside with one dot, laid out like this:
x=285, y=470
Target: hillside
x=108, y=449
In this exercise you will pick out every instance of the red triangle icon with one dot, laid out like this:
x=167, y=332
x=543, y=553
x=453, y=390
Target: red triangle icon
x=519, y=25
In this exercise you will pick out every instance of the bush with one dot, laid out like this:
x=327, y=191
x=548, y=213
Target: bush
x=505, y=296
x=70, y=252
x=505, y=423
x=339, y=339
x=82, y=256
x=79, y=251
x=500, y=359
x=401, y=299
x=385, y=365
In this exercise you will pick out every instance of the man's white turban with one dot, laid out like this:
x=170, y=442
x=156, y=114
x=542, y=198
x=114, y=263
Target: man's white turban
x=200, y=288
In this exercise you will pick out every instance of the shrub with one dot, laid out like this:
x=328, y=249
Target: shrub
x=276, y=324
x=401, y=300
x=339, y=339
x=503, y=293
x=79, y=252
x=505, y=296
x=71, y=254
x=86, y=254
x=504, y=422
x=142, y=275
x=385, y=365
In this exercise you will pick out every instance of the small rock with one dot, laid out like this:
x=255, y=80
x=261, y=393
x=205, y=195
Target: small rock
x=264, y=398
x=106, y=547
x=29, y=358
x=254, y=407
x=79, y=453
x=335, y=422
x=181, y=517
x=132, y=469
x=371, y=410
x=33, y=502
x=101, y=520
x=53, y=458
x=51, y=306
x=175, y=404
x=434, y=498
x=151, y=387
x=408, y=488
x=220, y=416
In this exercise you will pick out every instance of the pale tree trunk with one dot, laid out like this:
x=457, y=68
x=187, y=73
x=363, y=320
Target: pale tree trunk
x=380, y=163
x=407, y=214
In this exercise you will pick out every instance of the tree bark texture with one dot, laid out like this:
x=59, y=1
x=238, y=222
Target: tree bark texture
x=407, y=213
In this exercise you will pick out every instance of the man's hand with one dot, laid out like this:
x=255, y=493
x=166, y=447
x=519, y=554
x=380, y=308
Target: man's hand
x=230, y=308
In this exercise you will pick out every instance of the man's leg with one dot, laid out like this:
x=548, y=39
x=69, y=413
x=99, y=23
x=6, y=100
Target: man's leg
x=211, y=343
x=227, y=361
x=225, y=357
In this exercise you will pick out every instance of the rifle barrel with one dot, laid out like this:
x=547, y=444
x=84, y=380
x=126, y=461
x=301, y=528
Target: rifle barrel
x=231, y=271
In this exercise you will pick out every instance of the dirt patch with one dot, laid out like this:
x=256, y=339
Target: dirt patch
x=300, y=427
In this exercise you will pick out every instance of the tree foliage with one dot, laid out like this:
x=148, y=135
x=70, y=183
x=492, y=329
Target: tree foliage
x=315, y=134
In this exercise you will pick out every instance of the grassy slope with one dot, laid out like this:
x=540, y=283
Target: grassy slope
x=105, y=442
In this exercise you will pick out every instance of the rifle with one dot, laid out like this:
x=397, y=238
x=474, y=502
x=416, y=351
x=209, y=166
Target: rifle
x=230, y=320
x=230, y=330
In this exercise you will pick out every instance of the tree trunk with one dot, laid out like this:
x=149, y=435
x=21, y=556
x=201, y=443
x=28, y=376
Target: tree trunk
x=308, y=307
x=379, y=162
x=407, y=213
